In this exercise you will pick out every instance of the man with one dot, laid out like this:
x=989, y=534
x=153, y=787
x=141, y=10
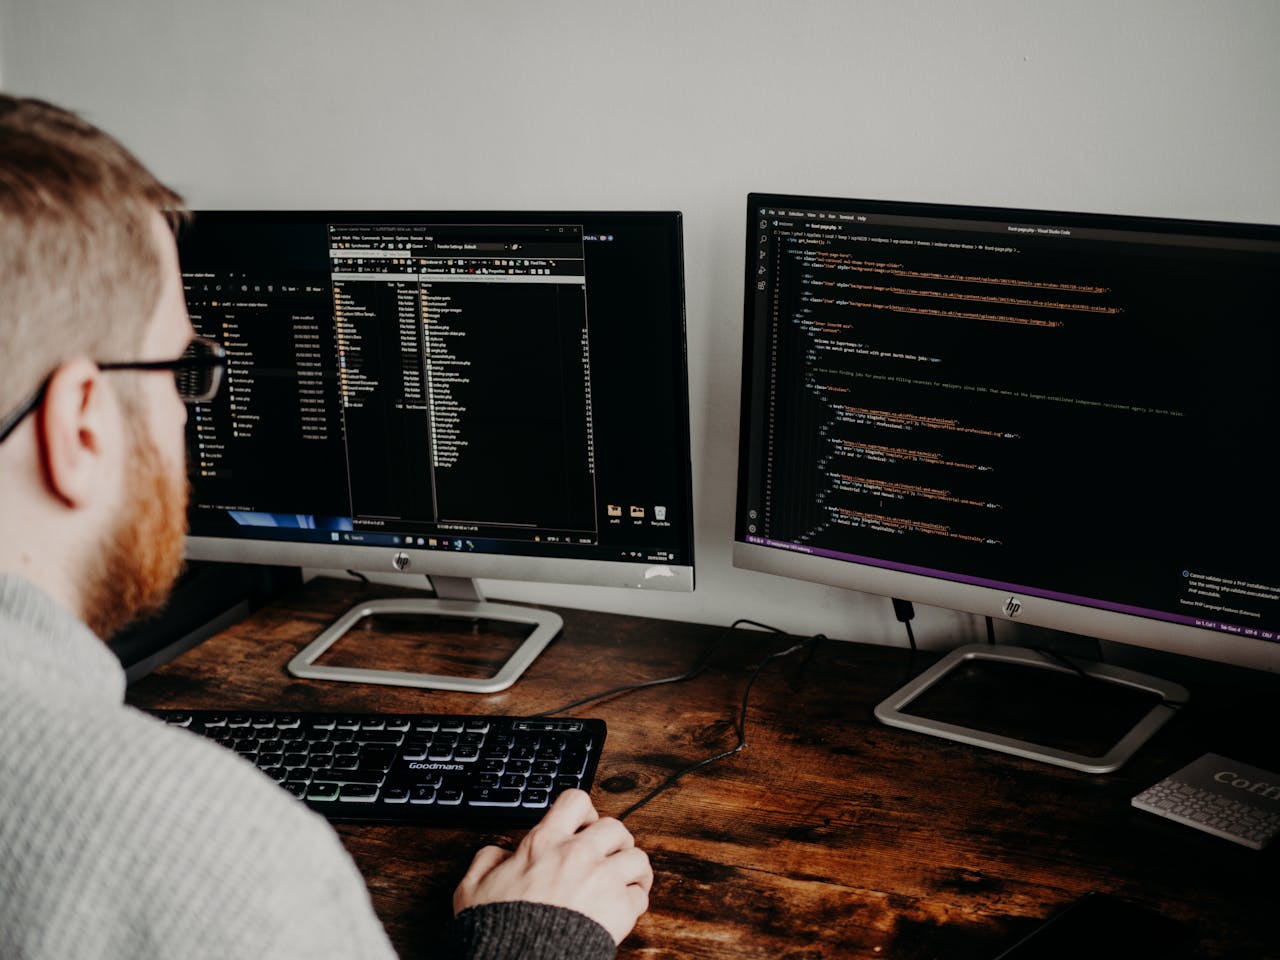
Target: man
x=121, y=837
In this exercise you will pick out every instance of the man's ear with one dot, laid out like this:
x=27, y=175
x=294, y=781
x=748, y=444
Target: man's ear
x=78, y=428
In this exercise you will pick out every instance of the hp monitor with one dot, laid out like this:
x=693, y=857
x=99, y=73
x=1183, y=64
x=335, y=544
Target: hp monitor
x=460, y=394
x=1060, y=419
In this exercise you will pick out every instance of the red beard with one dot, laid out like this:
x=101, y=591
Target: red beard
x=142, y=555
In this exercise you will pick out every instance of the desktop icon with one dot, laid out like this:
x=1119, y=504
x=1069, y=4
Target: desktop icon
x=637, y=513
x=614, y=510
x=659, y=512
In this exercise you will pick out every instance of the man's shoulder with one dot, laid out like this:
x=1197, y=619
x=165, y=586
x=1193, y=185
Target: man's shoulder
x=107, y=812
x=112, y=763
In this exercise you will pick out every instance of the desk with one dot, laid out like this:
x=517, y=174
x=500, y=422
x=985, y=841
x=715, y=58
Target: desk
x=828, y=836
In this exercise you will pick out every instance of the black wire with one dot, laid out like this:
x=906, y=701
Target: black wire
x=905, y=611
x=991, y=631
x=358, y=575
x=741, y=727
x=699, y=666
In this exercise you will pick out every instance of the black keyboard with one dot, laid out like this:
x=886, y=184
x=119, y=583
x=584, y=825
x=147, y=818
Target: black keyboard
x=411, y=768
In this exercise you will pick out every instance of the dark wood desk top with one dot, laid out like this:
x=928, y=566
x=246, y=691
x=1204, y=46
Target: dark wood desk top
x=828, y=836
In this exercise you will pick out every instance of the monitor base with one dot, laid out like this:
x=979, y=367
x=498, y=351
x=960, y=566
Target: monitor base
x=1167, y=696
x=456, y=597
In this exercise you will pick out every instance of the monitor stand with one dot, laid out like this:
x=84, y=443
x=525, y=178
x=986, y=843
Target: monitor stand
x=986, y=695
x=457, y=597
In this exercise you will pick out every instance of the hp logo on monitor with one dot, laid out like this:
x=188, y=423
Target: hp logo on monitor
x=400, y=561
x=1012, y=607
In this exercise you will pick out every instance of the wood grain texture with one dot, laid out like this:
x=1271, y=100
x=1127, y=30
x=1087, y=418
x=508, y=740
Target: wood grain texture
x=828, y=836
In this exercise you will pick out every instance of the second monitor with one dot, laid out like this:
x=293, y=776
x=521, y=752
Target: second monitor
x=462, y=394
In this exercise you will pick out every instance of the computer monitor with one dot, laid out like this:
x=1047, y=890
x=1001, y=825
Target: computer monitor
x=460, y=394
x=1056, y=418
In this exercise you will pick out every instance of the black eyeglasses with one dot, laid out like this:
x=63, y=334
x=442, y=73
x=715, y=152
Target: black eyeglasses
x=197, y=375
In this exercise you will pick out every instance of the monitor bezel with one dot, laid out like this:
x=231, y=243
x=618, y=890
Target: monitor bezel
x=488, y=566
x=795, y=562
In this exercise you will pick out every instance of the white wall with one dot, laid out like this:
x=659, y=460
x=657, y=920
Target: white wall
x=1162, y=107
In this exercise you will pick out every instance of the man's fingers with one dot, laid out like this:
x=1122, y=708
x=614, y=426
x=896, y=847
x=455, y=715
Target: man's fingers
x=570, y=813
x=608, y=836
x=632, y=868
x=485, y=860
x=638, y=899
x=482, y=864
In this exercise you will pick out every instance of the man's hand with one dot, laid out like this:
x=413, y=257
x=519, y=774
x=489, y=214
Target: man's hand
x=573, y=859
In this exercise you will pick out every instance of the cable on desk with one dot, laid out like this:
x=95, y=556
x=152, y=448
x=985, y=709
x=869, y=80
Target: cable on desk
x=695, y=670
x=905, y=611
x=741, y=725
x=1063, y=660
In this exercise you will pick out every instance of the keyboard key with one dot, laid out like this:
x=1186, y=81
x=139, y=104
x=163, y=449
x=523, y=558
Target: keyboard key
x=380, y=736
x=350, y=776
x=573, y=763
x=535, y=799
x=422, y=794
x=359, y=792
x=494, y=797
x=377, y=758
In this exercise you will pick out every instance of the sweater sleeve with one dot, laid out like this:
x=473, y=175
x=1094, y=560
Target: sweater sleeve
x=527, y=931
x=123, y=839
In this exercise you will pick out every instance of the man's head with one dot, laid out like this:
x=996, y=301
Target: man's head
x=93, y=477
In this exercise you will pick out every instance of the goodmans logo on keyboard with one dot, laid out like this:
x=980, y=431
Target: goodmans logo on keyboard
x=436, y=766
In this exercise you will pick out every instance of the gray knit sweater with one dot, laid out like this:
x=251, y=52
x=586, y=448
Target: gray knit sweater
x=121, y=837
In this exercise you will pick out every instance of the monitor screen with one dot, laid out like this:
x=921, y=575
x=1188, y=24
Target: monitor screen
x=1059, y=418
x=496, y=394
